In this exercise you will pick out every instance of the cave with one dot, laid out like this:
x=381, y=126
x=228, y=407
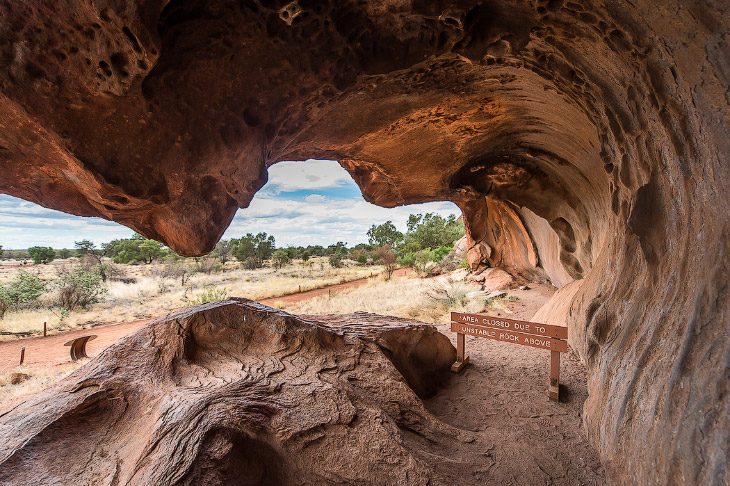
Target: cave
x=585, y=143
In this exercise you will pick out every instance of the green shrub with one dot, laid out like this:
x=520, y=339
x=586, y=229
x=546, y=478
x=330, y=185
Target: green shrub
x=407, y=260
x=42, y=254
x=20, y=293
x=439, y=253
x=431, y=230
x=424, y=261
x=360, y=255
x=280, y=258
x=336, y=259
x=79, y=288
x=210, y=295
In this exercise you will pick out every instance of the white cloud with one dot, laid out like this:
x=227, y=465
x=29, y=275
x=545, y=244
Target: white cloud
x=307, y=175
x=315, y=198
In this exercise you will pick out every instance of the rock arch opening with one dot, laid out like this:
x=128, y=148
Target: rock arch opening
x=316, y=202
x=607, y=120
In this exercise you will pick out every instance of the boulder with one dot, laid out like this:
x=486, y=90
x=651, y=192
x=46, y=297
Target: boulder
x=237, y=393
x=495, y=279
x=477, y=254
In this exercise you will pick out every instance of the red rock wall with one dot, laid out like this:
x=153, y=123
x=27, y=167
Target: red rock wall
x=609, y=120
x=547, y=244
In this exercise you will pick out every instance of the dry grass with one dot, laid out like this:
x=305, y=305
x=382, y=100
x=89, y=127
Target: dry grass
x=41, y=376
x=153, y=295
x=408, y=297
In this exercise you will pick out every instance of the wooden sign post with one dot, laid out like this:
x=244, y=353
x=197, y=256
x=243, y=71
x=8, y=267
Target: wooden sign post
x=536, y=335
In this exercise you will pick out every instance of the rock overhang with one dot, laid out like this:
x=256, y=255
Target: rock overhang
x=606, y=120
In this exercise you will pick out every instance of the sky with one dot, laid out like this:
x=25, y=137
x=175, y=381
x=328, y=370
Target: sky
x=314, y=202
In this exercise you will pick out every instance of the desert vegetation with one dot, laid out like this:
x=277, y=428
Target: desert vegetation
x=138, y=278
x=412, y=297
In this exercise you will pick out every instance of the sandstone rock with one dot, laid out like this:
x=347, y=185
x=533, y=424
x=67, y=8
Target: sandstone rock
x=477, y=254
x=436, y=270
x=497, y=235
x=549, y=248
x=237, y=393
x=607, y=120
x=460, y=248
x=478, y=277
x=496, y=279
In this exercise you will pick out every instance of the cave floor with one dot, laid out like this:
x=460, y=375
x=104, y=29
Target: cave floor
x=517, y=436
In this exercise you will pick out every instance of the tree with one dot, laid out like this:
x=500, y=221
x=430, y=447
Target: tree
x=42, y=254
x=280, y=258
x=428, y=239
x=134, y=249
x=91, y=255
x=64, y=253
x=253, y=249
x=1, y=252
x=432, y=230
x=150, y=250
x=265, y=245
x=244, y=247
x=223, y=250
x=84, y=247
x=386, y=257
x=339, y=247
x=384, y=234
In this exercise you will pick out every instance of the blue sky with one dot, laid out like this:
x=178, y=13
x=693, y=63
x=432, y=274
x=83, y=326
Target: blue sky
x=311, y=202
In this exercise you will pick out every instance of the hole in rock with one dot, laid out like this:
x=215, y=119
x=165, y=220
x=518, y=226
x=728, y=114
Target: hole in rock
x=231, y=458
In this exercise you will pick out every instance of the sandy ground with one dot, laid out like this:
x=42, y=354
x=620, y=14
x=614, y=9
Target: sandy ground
x=50, y=350
x=518, y=437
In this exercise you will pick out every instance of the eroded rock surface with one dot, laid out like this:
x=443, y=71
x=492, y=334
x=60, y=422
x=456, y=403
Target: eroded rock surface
x=607, y=120
x=238, y=393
